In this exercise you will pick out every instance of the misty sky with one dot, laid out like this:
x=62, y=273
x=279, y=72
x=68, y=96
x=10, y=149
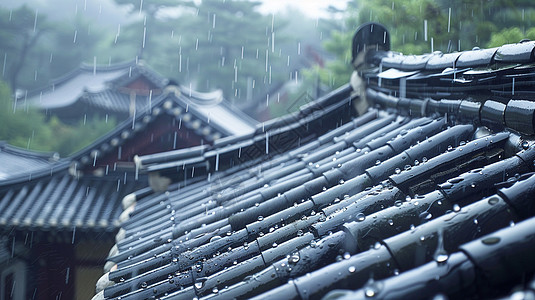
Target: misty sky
x=108, y=13
x=312, y=8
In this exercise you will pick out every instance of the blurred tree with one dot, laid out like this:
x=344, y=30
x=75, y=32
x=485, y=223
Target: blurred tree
x=74, y=138
x=20, y=30
x=509, y=36
x=68, y=45
x=22, y=128
x=34, y=50
x=150, y=24
x=229, y=45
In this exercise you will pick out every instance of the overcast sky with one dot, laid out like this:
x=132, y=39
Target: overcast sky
x=110, y=14
x=312, y=8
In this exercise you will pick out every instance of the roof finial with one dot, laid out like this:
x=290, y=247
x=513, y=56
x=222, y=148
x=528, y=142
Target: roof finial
x=369, y=36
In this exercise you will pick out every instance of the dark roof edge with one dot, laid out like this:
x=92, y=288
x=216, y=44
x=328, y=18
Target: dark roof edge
x=522, y=52
x=232, y=144
x=131, y=125
x=180, y=154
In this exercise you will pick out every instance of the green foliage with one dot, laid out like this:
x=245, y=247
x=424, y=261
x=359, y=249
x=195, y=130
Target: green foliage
x=509, y=36
x=339, y=70
x=74, y=138
x=451, y=25
x=22, y=128
x=27, y=128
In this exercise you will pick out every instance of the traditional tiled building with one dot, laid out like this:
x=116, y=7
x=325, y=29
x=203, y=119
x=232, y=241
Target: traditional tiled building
x=58, y=217
x=414, y=181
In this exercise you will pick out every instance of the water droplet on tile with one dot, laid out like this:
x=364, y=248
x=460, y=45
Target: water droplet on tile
x=491, y=240
x=424, y=216
x=294, y=258
x=199, y=283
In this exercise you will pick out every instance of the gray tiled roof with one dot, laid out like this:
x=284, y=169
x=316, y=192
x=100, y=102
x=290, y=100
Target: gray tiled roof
x=16, y=161
x=100, y=89
x=92, y=79
x=324, y=200
x=64, y=203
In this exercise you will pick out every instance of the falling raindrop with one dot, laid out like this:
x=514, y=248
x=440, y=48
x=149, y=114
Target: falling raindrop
x=267, y=142
x=449, y=19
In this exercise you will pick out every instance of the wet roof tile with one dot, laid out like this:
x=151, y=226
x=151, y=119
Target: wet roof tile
x=413, y=185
